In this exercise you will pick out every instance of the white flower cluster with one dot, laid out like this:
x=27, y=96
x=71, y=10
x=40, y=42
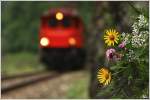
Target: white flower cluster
x=135, y=28
x=125, y=37
x=131, y=55
x=139, y=36
x=138, y=40
x=141, y=23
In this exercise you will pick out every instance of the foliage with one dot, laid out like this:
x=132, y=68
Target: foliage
x=130, y=74
x=18, y=63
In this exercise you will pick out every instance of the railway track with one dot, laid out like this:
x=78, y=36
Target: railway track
x=11, y=83
x=21, y=75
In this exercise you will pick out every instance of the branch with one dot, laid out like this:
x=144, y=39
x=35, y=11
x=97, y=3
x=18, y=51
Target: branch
x=135, y=9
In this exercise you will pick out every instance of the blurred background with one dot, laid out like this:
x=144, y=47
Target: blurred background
x=20, y=52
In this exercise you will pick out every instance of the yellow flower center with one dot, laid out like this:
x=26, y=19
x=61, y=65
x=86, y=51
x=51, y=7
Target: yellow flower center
x=111, y=37
x=106, y=74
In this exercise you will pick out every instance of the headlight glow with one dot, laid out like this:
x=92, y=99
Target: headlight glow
x=72, y=41
x=59, y=16
x=44, y=41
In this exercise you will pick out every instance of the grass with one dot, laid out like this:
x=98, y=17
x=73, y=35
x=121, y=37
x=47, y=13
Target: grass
x=20, y=63
x=79, y=89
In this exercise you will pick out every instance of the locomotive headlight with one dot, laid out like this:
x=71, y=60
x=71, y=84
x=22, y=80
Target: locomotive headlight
x=44, y=41
x=59, y=16
x=72, y=41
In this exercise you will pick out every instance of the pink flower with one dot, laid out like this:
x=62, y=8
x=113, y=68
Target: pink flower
x=122, y=45
x=110, y=54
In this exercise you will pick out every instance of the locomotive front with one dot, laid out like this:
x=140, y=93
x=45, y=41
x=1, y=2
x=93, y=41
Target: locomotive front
x=61, y=39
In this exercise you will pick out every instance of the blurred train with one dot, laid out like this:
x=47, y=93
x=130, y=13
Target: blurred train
x=61, y=39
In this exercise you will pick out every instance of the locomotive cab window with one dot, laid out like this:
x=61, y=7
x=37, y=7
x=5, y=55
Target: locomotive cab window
x=53, y=22
x=66, y=22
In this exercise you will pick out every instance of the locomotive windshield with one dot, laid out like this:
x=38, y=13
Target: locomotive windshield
x=66, y=22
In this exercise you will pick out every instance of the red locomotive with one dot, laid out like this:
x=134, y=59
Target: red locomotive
x=61, y=39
